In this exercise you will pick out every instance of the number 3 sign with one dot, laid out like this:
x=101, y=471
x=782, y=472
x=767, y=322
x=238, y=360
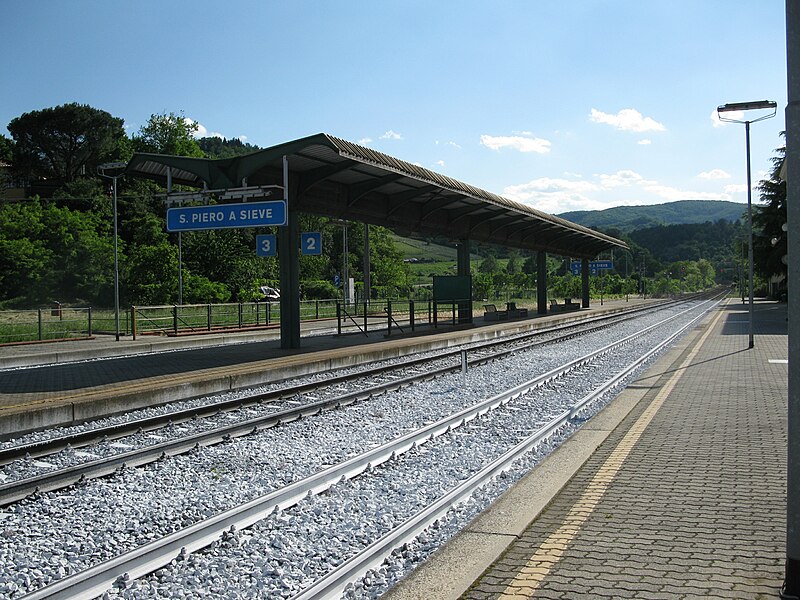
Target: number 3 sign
x=265, y=245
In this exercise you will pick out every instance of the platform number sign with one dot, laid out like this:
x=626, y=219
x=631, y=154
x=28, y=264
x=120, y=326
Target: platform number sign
x=266, y=245
x=311, y=243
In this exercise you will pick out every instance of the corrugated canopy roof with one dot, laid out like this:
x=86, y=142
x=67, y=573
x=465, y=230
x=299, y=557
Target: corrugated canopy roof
x=333, y=177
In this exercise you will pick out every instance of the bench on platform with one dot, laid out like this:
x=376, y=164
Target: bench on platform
x=492, y=314
x=567, y=306
x=515, y=313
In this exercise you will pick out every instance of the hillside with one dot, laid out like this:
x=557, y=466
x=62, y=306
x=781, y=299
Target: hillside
x=669, y=232
x=629, y=218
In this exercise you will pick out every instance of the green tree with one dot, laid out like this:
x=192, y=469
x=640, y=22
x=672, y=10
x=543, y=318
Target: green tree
x=6, y=149
x=168, y=133
x=530, y=266
x=53, y=253
x=151, y=275
x=62, y=142
x=489, y=265
x=483, y=286
x=770, y=247
x=216, y=147
x=84, y=194
x=386, y=261
x=201, y=290
x=25, y=259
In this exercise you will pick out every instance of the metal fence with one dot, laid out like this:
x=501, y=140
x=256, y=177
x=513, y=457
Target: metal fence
x=197, y=318
x=57, y=322
x=45, y=324
x=399, y=315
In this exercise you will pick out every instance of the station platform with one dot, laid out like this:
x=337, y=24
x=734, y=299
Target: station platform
x=677, y=489
x=59, y=383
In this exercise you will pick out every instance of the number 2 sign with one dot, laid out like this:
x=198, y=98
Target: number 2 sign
x=311, y=243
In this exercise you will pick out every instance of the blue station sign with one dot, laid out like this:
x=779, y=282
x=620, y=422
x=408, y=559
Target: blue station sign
x=227, y=216
x=594, y=266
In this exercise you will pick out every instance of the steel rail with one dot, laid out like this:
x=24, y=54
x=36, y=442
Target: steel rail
x=14, y=491
x=115, y=431
x=334, y=583
x=149, y=557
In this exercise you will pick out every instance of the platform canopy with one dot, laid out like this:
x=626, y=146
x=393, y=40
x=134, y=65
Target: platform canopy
x=332, y=177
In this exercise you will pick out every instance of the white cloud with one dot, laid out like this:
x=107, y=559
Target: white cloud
x=392, y=135
x=557, y=196
x=522, y=144
x=621, y=179
x=242, y=138
x=454, y=145
x=736, y=188
x=550, y=185
x=644, y=142
x=439, y=163
x=714, y=174
x=364, y=141
x=736, y=115
x=201, y=131
x=628, y=119
x=672, y=194
x=554, y=195
x=624, y=187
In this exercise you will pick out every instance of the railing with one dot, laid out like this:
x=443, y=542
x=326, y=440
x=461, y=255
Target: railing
x=28, y=326
x=45, y=324
x=399, y=315
x=198, y=318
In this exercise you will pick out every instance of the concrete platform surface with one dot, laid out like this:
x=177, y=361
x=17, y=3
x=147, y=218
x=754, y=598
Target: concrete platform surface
x=677, y=489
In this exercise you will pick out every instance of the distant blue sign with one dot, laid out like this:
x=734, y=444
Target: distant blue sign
x=311, y=243
x=227, y=216
x=594, y=266
x=336, y=280
x=266, y=245
x=601, y=264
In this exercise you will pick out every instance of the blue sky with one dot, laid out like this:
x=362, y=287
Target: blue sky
x=561, y=105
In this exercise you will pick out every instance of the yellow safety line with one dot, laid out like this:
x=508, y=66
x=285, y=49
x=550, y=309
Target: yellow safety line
x=553, y=548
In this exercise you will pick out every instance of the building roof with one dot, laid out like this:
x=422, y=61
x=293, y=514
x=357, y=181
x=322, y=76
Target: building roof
x=333, y=177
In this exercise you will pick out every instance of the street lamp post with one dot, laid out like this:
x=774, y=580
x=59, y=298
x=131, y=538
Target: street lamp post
x=740, y=107
x=118, y=170
x=345, y=273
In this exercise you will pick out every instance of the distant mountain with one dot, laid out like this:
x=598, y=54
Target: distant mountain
x=629, y=218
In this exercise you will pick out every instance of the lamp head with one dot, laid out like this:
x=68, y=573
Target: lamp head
x=119, y=166
x=742, y=106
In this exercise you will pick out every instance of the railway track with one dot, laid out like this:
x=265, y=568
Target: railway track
x=225, y=525
x=61, y=461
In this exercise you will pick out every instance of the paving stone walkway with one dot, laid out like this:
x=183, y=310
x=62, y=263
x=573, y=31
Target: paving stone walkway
x=687, y=497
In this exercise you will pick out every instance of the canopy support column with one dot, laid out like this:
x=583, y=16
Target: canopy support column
x=367, y=279
x=463, y=270
x=541, y=282
x=289, y=259
x=585, y=282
